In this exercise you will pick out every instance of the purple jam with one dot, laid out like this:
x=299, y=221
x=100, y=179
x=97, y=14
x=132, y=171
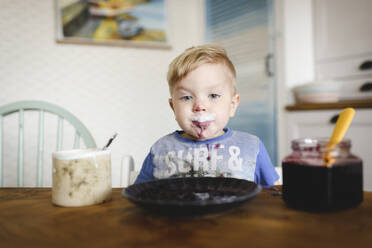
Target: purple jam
x=310, y=185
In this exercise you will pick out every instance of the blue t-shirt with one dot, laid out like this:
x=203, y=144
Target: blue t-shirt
x=233, y=154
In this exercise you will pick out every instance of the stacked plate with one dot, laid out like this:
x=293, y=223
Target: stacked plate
x=317, y=91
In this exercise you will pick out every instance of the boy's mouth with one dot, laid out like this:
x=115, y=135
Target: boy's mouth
x=202, y=122
x=202, y=125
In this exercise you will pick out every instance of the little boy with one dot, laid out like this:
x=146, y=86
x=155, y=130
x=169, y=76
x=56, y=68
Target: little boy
x=203, y=98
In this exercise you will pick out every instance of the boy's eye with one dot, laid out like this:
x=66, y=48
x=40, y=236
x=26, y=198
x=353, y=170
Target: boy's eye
x=186, y=98
x=214, y=96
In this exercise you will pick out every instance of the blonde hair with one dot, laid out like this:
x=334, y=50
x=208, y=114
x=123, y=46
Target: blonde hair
x=193, y=57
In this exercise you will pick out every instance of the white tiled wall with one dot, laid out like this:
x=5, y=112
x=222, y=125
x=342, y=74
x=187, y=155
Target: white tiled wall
x=110, y=89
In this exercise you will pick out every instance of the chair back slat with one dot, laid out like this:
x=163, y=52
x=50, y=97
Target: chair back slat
x=20, y=147
x=1, y=151
x=59, y=133
x=77, y=140
x=126, y=171
x=40, y=150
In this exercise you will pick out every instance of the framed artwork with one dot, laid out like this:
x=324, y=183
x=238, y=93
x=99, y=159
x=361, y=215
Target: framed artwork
x=138, y=23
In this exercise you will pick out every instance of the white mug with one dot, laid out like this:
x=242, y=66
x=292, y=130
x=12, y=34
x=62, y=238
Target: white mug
x=81, y=177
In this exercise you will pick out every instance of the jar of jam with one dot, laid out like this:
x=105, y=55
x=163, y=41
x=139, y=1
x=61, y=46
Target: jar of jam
x=309, y=183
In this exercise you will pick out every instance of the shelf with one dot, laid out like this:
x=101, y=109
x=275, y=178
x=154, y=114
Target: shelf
x=367, y=103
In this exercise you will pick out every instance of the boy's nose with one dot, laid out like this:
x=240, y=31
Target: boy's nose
x=199, y=107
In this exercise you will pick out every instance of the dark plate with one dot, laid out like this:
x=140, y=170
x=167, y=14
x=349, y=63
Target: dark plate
x=191, y=195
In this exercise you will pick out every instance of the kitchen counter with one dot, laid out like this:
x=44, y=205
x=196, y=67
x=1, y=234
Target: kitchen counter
x=358, y=104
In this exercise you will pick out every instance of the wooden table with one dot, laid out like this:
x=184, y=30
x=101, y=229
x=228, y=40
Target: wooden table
x=28, y=219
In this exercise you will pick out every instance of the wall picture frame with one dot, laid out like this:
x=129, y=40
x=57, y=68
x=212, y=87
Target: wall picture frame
x=132, y=23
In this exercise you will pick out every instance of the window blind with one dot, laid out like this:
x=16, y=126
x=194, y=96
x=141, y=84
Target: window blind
x=240, y=26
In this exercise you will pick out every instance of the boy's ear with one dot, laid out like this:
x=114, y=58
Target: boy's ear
x=234, y=104
x=171, y=103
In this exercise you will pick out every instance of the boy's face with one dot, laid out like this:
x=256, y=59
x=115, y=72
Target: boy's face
x=204, y=101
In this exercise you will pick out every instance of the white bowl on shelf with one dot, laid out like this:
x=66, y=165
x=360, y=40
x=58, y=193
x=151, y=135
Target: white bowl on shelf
x=317, y=92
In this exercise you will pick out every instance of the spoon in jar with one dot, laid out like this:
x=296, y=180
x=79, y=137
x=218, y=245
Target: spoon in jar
x=342, y=124
x=110, y=141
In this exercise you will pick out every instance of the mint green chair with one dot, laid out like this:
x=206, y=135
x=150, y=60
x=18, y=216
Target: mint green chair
x=81, y=132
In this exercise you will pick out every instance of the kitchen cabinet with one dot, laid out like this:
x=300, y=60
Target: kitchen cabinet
x=318, y=123
x=342, y=28
x=342, y=40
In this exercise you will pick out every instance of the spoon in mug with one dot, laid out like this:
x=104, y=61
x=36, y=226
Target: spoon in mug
x=342, y=124
x=110, y=141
